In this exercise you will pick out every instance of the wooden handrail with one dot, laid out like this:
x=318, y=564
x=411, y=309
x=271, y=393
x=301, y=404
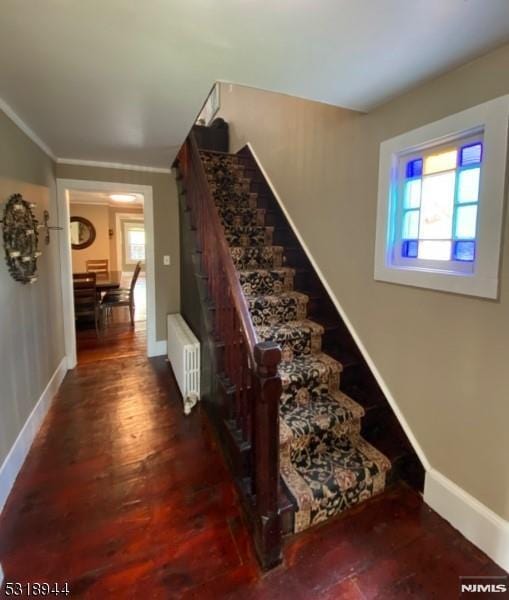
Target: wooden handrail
x=250, y=366
x=225, y=258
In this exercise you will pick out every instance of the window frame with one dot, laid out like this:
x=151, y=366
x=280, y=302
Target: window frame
x=489, y=119
x=131, y=226
x=442, y=266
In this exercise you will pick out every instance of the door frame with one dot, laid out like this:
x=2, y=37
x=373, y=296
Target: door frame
x=63, y=187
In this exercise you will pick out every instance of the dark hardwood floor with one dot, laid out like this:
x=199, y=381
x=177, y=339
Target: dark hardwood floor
x=125, y=497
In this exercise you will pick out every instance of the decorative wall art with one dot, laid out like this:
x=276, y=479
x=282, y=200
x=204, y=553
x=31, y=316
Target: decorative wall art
x=21, y=237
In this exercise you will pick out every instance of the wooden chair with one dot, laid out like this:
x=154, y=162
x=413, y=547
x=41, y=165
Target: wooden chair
x=122, y=296
x=98, y=266
x=83, y=277
x=85, y=297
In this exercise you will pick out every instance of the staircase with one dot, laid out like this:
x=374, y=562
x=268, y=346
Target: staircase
x=337, y=434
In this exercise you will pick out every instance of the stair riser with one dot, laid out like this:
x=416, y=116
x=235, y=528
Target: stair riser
x=239, y=187
x=310, y=386
x=247, y=217
x=299, y=447
x=268, y=282
x=241, y=201
x=296, y=343
x=267, y=257
x=267, y=313
x=249, y=236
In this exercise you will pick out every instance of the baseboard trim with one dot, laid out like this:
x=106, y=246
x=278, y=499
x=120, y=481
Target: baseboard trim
x=18, y=453
x=158, y=348
x=479, y=524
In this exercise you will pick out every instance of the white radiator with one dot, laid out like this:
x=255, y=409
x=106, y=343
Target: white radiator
x=184, y=357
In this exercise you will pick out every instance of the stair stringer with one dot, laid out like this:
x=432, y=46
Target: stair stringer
x=342, y=313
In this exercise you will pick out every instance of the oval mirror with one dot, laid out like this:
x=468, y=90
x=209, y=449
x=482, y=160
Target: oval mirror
x=82, y=233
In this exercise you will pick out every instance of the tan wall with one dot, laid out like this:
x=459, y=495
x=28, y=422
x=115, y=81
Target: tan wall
x=166, y=231
x=100, y=248
x=443, y=356
x=31, y=333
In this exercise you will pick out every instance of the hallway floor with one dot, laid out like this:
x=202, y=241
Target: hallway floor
x=123, y=496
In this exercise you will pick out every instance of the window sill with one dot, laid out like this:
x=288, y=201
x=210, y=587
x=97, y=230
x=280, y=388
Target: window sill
x=455, y=283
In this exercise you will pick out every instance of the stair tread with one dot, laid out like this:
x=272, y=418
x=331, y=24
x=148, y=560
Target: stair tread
x=311, y=374
x=272, y=298
x=248, y=228
x=282, y=270
x=256, y=248
x=294, y=337
x=291, y=327
x=316, y=415
x=327, y=482
x=268, y=309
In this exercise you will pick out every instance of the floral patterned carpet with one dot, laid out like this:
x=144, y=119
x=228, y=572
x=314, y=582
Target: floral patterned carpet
x=325, y=463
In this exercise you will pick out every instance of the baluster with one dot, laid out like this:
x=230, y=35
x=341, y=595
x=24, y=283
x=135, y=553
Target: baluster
x=266, y=452
x=236, y=368
x=246, y=391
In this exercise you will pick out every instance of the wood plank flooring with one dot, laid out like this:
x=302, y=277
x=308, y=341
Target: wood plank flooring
x=125, y=497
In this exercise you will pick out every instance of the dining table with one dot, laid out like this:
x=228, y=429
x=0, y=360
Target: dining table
x=110, y=280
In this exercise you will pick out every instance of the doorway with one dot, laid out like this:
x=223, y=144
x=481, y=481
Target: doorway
x=122, y=219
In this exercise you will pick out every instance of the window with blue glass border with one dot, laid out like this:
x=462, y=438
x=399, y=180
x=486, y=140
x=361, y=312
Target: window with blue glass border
x=460, y=244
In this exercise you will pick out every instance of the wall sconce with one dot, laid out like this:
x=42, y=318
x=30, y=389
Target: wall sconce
x=48, y=227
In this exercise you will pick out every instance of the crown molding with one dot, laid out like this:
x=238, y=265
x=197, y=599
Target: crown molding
x=18, y=121
x=110, y=165
x=118, y=205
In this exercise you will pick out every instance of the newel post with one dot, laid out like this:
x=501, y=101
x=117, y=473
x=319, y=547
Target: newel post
x=266, y=452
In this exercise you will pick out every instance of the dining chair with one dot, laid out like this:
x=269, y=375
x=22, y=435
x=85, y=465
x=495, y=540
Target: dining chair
x=122, y=296
x=98, y=266
x=82, y=277
x=85, y=297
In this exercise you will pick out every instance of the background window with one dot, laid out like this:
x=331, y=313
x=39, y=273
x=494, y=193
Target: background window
x=135, y=244
x=439, y=196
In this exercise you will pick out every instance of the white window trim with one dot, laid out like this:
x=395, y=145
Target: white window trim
x=119, y=217
x=492, y=117
x=127, y=226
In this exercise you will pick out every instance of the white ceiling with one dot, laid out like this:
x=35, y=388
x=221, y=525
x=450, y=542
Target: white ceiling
x=123, y=80
x=82, y=197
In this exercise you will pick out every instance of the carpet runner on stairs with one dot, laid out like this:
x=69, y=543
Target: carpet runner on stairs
x=325, y=463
